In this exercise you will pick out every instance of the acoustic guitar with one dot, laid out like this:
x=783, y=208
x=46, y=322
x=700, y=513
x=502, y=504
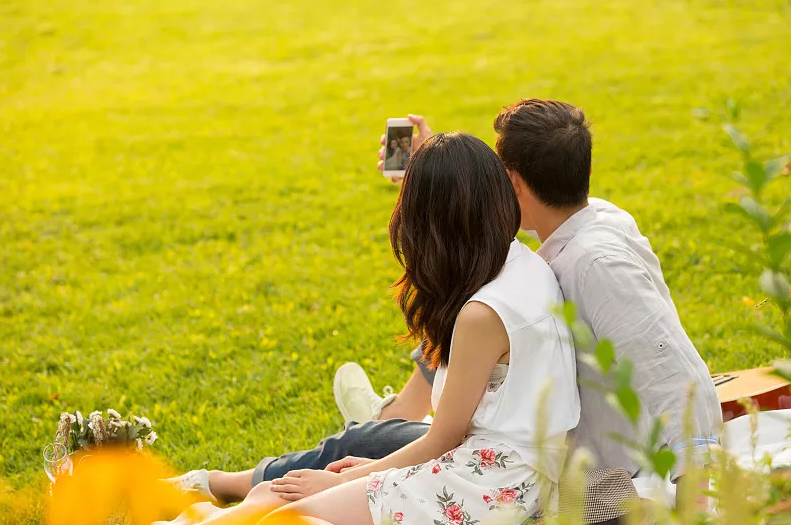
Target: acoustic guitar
x=768, y=392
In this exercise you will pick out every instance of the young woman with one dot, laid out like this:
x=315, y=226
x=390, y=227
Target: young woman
x=505, y=393
x=393, y=155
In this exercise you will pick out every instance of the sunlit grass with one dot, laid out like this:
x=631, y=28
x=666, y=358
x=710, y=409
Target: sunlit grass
x=191, y=226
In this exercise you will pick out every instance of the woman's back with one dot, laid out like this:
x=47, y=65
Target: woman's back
x=541, y=375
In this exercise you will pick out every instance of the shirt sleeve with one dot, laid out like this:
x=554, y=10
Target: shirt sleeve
x=623, y=305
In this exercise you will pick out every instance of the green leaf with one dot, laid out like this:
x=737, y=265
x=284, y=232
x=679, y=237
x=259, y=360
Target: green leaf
x=605, y=355
x=752, y=210
x=656, y=432
x=775, y=167
x=590, y=360
x=738, y=138
x=755, y=173
x=623, y=374
x=781, y=212
x=663, y=461
x=778, y=247
x=629, y=402
x=772, y=335
x=569, y=313
x=615, y=436
x=782, y=369
x=732, y=109
x=583, y=337
x=740, y=179
x=701, y=113
x=775, y=284
x=588, y=383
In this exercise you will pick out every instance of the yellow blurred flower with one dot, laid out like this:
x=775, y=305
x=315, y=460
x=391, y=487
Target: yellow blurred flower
x=112, y=482
x=119, y=486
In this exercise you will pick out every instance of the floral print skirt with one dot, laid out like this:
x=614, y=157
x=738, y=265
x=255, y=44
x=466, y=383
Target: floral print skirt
x=478, y=482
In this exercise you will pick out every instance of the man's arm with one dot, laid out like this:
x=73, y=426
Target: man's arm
x=622, y=304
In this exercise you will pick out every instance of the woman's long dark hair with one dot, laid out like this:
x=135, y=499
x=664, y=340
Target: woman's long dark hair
x=451, y=231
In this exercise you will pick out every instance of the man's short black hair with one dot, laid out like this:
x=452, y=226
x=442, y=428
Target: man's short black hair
x=549, y=144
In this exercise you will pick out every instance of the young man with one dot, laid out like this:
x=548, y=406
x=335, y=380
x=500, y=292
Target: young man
x=609, y=271
x=406, y=151
x=603, y=264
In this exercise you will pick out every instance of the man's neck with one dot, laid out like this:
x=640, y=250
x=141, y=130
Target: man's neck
x=549, y=219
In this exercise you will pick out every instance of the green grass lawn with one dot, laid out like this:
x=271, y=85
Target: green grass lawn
x=192, y=227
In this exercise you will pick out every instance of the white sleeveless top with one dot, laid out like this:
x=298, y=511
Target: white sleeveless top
x=541, y=357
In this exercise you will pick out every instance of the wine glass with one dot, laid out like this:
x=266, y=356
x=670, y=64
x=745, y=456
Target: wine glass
x=56, y=461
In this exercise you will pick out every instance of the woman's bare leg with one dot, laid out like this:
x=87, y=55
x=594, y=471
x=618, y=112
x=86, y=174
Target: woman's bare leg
x=345, y=504
x=260, y=502
x=230, y=487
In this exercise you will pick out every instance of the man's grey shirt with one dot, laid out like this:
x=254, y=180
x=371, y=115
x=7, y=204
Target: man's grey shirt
x=607, y=268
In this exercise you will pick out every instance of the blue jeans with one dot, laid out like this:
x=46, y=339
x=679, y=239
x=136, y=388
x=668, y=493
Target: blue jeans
x=372, y=440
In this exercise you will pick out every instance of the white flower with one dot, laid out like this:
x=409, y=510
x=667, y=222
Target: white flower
x=117, y=423
x=139, y=444
x=94, y=414
x=113, y=414
x=151, y=438
x=80, y=419
x=68, y=417
x=143, y=421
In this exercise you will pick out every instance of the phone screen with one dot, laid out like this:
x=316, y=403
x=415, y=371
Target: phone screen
x=398, y=147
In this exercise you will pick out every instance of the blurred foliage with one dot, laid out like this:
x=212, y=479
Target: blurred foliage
x=773, y=226
x=717, y=490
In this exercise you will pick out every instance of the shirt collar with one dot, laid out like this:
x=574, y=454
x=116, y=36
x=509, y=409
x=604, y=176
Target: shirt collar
x=555, y=243
x=513, y=250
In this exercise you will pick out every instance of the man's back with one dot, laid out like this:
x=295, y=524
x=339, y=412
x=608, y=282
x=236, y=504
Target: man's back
x=609, y=271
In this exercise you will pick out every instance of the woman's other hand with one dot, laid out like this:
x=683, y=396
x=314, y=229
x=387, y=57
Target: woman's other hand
x=300, y=484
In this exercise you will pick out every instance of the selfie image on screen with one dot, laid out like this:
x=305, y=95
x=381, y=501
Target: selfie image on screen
x=398, y=147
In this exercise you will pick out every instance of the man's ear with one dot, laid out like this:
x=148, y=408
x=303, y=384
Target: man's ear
x=516, y=181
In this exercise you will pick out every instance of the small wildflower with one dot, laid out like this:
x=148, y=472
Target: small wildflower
x=113, y=414
x=151, y=438
x=80, y=419
x=96, y=424
x=139, y=444
x=94, y=414
x=143, y=421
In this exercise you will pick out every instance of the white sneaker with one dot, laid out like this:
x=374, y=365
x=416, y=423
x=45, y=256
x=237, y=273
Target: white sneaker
x=196, y=481
x=355, y=395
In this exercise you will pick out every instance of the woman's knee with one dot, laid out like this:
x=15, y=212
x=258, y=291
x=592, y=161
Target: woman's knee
x=261, y=492
x=292, y=509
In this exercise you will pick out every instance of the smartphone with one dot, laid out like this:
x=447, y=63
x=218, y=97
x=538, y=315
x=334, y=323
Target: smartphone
x=398, y=146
